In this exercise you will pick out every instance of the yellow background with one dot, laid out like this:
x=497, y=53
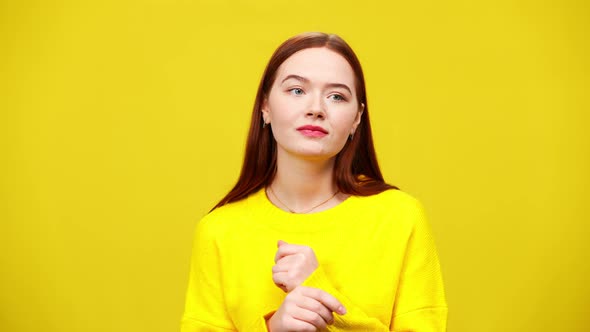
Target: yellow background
x=123, y=122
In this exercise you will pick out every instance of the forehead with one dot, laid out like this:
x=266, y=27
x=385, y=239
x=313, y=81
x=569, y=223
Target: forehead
x=318, y=64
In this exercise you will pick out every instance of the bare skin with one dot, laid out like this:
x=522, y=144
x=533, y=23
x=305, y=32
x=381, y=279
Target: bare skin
x=294, y=263
x=305, y=309
x=314, y=87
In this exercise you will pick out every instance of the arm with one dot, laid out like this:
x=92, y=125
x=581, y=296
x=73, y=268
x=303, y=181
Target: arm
x=305, y=309
x=205, y=307
x=355, y=319
x=420, y=304
x=297, y=265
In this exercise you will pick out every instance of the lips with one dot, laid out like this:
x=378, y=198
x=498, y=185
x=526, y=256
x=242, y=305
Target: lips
x=312, y=131
x=310, y=128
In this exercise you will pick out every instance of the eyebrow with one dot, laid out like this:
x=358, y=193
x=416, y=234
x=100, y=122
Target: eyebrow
x=306, y=80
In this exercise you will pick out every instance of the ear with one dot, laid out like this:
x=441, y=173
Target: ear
x=265, y=110
x=357, y=119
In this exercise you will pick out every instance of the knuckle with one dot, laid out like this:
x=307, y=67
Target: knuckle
x=309, y=329
x=319, y=321
x=316, y=307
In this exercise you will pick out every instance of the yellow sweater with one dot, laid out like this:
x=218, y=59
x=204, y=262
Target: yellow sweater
x=376, y=255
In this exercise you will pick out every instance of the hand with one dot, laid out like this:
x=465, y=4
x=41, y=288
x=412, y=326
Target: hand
x=305, y=309
x=294, y=263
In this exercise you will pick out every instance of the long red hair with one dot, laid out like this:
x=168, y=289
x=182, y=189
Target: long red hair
x=356, y=171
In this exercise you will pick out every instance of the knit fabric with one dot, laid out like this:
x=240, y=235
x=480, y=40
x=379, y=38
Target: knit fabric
x=376, y=255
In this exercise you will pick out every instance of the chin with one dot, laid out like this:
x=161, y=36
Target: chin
x=308, y=151
x=311, y=154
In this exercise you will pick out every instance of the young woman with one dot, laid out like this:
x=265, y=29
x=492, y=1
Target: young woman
x=311, y=237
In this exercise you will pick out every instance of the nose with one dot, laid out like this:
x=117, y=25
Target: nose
x=316, y=108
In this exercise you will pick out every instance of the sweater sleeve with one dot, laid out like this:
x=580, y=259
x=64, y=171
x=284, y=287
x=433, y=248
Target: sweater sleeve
x=205, y=308
x=354, y=319
x=420, y=304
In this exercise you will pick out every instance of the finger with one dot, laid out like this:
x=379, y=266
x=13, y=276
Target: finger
x=285, y=250
x=280, y=279
x=317, y=307
x=280, y=243
x=289, y=261
x=280, y=267
x=325, y=298
x=299, y=325
x=309, y=316
x=288, y=249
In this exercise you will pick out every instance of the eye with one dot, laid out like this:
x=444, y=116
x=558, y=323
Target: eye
x=296, y=91
x=337, y=97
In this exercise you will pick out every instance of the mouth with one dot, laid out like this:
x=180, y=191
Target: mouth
x=312, y=131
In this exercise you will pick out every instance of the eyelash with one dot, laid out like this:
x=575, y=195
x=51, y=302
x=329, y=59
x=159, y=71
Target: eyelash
x=293, y=89
x=341, y=97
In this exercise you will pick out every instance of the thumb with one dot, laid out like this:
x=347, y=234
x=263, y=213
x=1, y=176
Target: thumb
x=280, y=243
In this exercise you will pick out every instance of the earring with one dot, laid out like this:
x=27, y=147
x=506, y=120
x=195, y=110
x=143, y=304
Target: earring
x=350, y=136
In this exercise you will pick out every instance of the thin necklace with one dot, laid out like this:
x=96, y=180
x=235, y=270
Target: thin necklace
x=306, y=211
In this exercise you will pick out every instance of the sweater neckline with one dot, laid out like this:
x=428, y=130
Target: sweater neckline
x=279, y=218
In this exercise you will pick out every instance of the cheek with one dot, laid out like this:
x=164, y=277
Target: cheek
x=281, y=117
x=280, y=109
x=345, y=122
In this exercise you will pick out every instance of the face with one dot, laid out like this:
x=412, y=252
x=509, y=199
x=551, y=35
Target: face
x=312, y=106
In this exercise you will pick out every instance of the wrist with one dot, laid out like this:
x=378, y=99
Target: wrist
x=267, y=320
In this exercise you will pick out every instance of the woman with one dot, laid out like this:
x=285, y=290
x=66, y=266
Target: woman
x=311, y=237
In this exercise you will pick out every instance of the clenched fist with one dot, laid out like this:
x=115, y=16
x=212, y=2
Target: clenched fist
x=293, y=264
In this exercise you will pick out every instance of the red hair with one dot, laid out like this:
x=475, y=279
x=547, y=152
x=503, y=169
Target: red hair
x=356, y=171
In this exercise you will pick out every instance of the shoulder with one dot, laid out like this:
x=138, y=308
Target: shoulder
x=391, y=207
x=229, y=210
x=392, y=199
x=223, y=218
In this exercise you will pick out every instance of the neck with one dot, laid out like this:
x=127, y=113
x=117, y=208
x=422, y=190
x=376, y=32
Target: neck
x=301, y=184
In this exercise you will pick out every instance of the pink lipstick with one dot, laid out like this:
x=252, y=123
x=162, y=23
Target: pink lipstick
x=312, y=131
